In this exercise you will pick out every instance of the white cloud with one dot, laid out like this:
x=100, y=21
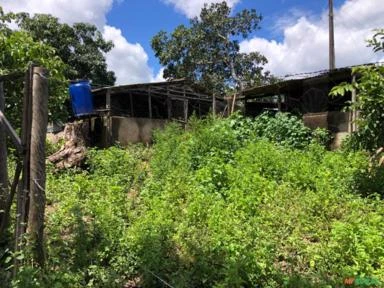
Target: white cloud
x=192, y=8
x=304, y=47
x=159, y=76
x=128, y=61
x=69, y=11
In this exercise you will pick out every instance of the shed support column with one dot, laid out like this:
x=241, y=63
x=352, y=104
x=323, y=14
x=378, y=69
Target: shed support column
x=214, y=105
x=169, y=105
x=353, y=113
x=199, y=107
x=131, y=104
x=279, y=102
x=185, y=107
x=108, y=119
x=150, y=103
x=185, y=110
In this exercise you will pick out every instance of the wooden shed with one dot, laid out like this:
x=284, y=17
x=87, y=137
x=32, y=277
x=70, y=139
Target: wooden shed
x=130, y=113
x=306, y=95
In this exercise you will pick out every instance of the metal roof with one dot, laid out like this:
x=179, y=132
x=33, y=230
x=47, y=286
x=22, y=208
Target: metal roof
x=172, y=88
x=297, y=81
x=119, y=88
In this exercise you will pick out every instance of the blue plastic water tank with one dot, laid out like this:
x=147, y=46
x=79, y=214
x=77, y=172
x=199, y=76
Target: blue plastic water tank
x=81, y=98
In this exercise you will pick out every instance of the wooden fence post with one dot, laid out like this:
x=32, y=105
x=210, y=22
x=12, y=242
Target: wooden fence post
x=3, y=160
x=23, y=187
x=37, y=159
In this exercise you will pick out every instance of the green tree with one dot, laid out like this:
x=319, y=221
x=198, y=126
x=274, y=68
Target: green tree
x=377, y=41
x=370, y=100
x=17, y=51
x=208, y=51
x=81, y=45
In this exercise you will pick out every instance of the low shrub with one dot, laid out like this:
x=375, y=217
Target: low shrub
x=254, y=211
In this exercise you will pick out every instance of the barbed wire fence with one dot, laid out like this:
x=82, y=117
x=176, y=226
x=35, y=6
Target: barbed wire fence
x=27, y=187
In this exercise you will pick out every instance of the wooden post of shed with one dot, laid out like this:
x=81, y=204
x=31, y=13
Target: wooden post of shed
x=3, y=160
x=169, y=105
x=131, y=104
x=199, y=106
x=185, y=106
x=353, y=113
x=279, y=102
x=108, y=119
x=37, y=161
x=149, y=103
x=213, y=105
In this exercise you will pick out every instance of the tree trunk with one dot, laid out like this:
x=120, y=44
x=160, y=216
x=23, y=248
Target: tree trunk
x=73, y=152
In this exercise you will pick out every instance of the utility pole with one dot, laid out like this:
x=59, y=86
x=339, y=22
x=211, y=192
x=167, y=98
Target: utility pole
x=332, y=61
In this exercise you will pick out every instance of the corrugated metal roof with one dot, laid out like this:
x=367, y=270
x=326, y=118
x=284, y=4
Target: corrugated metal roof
x=296, y=80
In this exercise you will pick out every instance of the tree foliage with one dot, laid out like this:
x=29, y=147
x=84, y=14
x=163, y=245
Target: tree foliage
x=81, y=45
x=67, y=51
x=17, y=51
x=377, y=41
x=208, y=50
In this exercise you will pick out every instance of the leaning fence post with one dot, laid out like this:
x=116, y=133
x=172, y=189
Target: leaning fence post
x=23, y=187
x=3, y=160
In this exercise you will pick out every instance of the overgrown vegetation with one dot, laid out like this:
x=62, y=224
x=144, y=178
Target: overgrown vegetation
x=224, y=203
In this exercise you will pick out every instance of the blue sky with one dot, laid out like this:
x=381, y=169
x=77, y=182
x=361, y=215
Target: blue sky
x=155, y=15
x=293, y=34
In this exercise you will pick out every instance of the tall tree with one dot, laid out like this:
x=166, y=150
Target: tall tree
x=208, y=51
x=81, y=45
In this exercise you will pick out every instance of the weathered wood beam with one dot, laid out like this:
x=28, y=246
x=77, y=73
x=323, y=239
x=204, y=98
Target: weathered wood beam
x=23, y=188
x=108, y=119
x=39, y=123
x=108, y=100
x=169, y=106
x=3, y=163
x=162, y=91
x=353, y=113
x=185, y=107
x=11, y=132
x=12, y=76
x=131, y=104
x=149, y=103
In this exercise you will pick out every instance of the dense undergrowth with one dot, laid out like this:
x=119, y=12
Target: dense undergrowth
x=225, y=203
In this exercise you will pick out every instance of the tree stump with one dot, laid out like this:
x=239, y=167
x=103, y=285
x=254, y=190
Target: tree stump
x=73, y=152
